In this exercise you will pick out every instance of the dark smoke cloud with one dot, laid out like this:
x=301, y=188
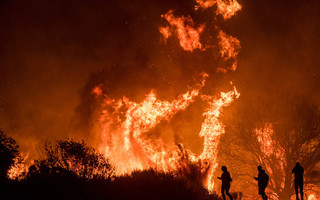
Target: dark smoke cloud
x=54, y=52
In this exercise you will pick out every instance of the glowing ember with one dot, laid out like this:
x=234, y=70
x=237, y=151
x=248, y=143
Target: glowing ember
x=183, y=27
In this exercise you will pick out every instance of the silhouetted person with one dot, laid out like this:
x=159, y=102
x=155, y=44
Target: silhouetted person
x=226, y=179
x=262, y=179
x=298, y=179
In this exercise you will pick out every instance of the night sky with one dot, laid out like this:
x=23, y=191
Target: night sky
x=52, y=53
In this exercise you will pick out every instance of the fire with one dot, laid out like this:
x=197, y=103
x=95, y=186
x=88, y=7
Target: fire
x=183, y=27
x=19, y=168
x=270, y=148
x=124, y=124
x=226, y=8
x=229, y=48
x=268, y=145
x=312, y=197
x=165, y=31
x=211, y=130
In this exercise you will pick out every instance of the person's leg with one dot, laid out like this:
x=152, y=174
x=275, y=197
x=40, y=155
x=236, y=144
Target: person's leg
x=296, y=189
x=227, y=192
x=264, y=194
x=301, y=190
x=222, y=191
x=261, y=192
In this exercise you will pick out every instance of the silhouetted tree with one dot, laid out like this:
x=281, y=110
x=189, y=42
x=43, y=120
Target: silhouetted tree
x=8, y=153
x=72, y=158
x=276, y=134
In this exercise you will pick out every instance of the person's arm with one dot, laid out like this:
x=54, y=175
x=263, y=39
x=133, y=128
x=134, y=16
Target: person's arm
x=294, y=169
x=256, y=178
x=219, y=178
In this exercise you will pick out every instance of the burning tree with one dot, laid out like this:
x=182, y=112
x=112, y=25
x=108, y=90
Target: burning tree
x=275, y=136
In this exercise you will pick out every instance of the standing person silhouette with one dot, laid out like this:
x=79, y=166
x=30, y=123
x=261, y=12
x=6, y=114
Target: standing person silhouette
x=226, y=179
x=298, y=180
x=262, y=179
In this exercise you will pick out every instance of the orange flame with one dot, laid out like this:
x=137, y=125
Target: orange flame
x=183, y=27
x=165, y=31
x=226, y=8
x=123, y=124
x=312, y=197
x=211, y=130
x=229, y=48
x=19, y=168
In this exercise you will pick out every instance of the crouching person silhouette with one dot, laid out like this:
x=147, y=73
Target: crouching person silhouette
x=226, y=180
x=263, y=180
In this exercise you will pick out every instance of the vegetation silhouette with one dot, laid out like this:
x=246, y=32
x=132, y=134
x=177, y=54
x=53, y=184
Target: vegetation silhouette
x=8, y=153
x=70, y=169
x=69, y=157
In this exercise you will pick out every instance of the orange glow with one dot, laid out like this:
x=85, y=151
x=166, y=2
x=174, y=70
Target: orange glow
x=270, y=148
x=229, y=48
x=226, y=8
x=183, y=27
x=268, y=145
x=312, y=197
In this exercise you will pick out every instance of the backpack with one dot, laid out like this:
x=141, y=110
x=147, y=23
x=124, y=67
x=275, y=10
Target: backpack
x=265, y=179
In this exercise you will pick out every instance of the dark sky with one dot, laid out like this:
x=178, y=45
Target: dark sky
x=53, y=52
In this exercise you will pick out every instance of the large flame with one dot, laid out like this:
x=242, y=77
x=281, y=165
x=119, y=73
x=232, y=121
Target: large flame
x=211, y=130
x=124, y=123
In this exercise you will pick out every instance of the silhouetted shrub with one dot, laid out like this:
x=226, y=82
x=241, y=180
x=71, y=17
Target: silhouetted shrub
x=8, y=153
x=71, y=158
x=71, y=170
